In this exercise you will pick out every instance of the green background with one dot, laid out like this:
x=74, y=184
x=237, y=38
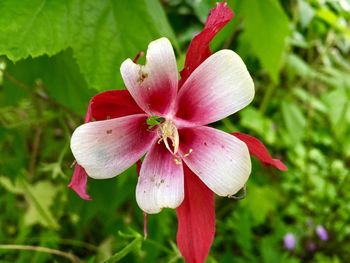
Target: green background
x=55, y=55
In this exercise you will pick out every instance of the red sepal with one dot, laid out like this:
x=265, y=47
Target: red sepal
x=258, y=149
x=199, y=49
x=196, y=219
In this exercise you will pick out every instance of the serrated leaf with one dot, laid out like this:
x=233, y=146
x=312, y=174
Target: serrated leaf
x=102, y=33
x=40, y=198
x=34, y=27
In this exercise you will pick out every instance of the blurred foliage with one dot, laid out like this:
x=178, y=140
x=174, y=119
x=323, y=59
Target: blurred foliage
x=57, y=54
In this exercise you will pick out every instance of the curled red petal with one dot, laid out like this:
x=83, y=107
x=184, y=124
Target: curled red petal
x=196, y=219
x=199, y=49
x=79, y=181
x=258, y=149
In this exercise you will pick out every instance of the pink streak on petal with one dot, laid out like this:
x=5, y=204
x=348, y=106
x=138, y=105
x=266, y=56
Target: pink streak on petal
x=161, y=181
x=258, y=149
x=196, y=220
x=154, y=85
x=219, y=87
x=79, y=181
x=219, y=159
x=199, y=49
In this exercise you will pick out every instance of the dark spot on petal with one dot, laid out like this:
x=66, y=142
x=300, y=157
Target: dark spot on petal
x=205, y=144
x=142, y=76
x=162, y=181
x=109, y=131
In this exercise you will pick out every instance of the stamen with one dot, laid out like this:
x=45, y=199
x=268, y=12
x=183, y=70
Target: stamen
x=188, y=153
x=167, y=130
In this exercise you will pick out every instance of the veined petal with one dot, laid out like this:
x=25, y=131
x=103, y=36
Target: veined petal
x=161, y=181
x=219, y=87
x=199, y=50
x=219, y=159
x=258, y=149
x=105, y=105
x=154, y=85
x=196, y=217
x=107, y=148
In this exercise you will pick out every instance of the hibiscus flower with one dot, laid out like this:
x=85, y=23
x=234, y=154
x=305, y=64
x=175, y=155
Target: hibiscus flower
x=166, y=120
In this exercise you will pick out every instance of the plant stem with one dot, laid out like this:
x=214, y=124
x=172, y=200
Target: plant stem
x=52, y=251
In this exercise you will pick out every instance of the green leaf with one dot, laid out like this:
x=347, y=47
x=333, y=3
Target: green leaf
x=262, y=200
x=40, y=198
x=34, y=27
x=266, y=29
x=101, y=33
x=294, y=120
x=134, y=245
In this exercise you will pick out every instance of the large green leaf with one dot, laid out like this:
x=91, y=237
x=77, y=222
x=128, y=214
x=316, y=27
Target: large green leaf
x=266, y=29
x=34, y=27
x=101, y=33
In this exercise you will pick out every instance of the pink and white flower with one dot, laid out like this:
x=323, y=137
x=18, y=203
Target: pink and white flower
x=166, y=120
x=219, y=87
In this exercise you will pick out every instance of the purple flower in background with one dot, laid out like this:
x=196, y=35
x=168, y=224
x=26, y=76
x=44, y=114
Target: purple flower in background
x=289, y=241
x=322, y=233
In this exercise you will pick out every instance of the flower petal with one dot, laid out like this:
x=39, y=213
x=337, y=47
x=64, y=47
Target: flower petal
x=196, y=219
x=258, y=149
x=112, y=104
x=105, y=105
x=107, y=148
x=161, y=181
x=220, y=160
x=153, y=86
x=79, y=181
x=219, y=87
x=199, y=50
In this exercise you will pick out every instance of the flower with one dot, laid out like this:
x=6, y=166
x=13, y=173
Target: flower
x=289, y=241
x=186, y=161
x=219, y=87
x=322, y=233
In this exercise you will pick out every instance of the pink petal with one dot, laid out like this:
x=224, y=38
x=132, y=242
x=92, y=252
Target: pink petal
x=219, y=87
x=220, y=160
x=199, y=50
x=153, y=86
x=105, y=105
x=107, y=148
x=161, y=181
x=78, y=182
x=258, y=149
x=196, y=217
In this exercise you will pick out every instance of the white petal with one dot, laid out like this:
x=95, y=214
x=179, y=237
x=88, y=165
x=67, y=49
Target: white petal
x=219, y=159
x=219, y=87
x=153, y=86
x=107, y=148
x=161, y=181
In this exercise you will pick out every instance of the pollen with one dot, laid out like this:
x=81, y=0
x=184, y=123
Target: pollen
x=142, y=75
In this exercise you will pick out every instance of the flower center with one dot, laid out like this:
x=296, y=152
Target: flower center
x=167, y=132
